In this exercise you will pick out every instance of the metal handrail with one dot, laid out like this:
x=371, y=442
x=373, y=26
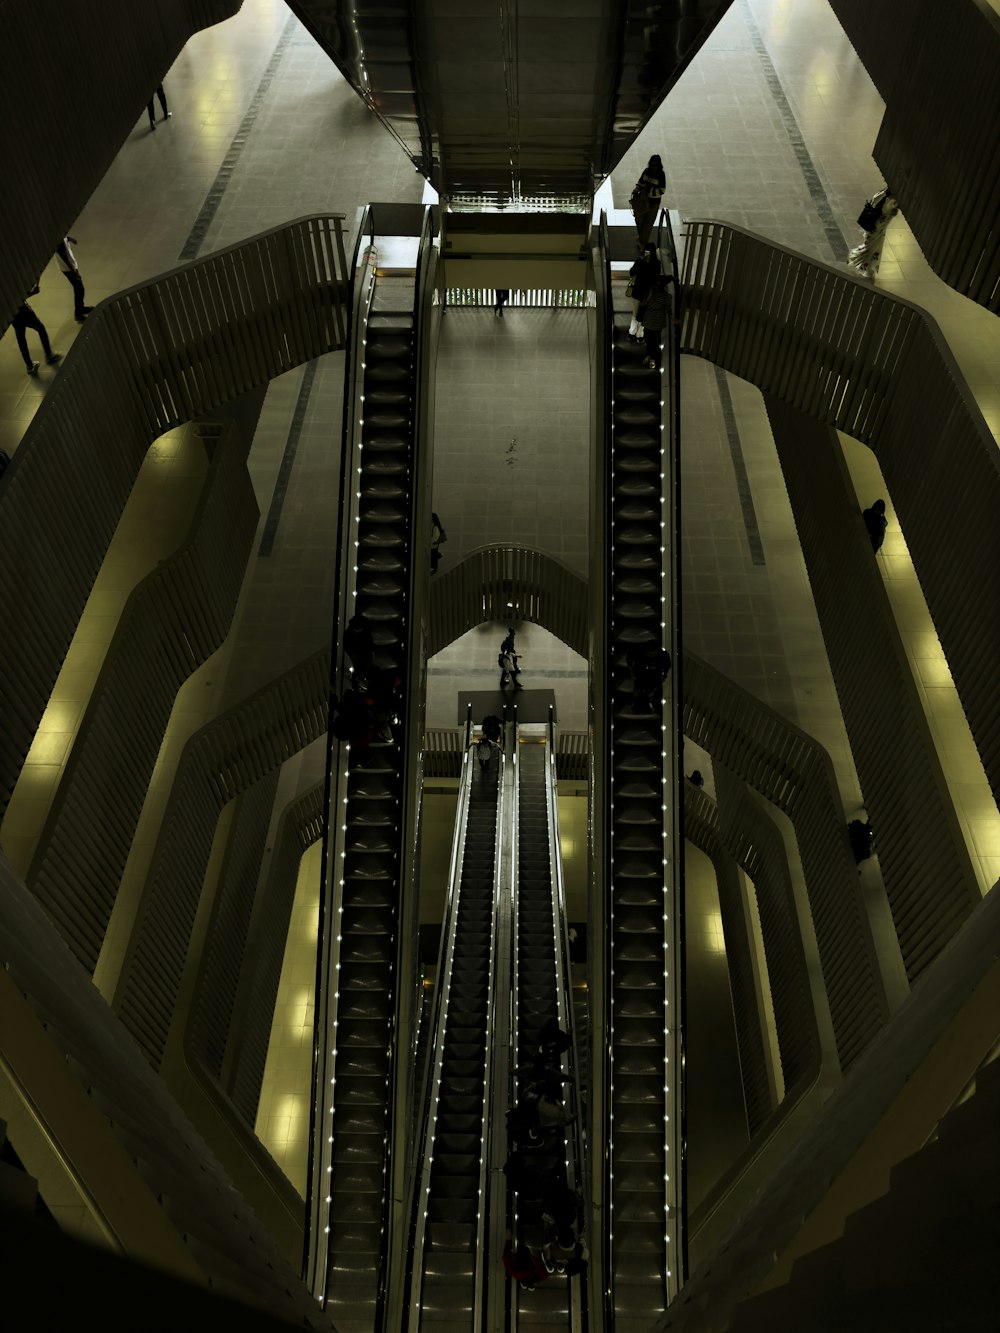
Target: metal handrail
x=673, y=731
x=510, y=1303
x=676, y=624
x=602, y=741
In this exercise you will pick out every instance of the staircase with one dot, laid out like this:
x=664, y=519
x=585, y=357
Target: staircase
x=924, y=1256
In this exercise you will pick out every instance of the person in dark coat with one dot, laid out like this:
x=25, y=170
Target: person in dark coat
x=492, y=728
x=649, y=668
x=552, y=1041
x=876, y=523
x=528, y=1178
x=862, y=839
x=646, y=198
x=355, y=720
x=642, y=275
x=655, y=314
x=359, y=646
x=500, y=299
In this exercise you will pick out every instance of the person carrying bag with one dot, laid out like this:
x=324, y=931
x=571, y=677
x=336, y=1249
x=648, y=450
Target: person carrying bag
x=646, y=198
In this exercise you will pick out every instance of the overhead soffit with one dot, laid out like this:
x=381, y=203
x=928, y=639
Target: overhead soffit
x=522, y=104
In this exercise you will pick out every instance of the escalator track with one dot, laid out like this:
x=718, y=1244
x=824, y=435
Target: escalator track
x=639, y=1256
x=448, y=1281
x=540, y=998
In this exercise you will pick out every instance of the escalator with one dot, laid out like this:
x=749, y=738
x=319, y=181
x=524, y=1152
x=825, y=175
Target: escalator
x=447, y=1281
x=643, y=1179
x=541, y=995
x=365, y=848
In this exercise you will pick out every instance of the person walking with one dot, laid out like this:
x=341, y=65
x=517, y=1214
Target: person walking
x=509, y=670
x=876, y=523
x=507, y=660
x=24, y=319
x=500, y=299
x=874, y=221
x=71, y=272
x=655, y=314
x=359, y=646
x=645, y=199
x=158, y=92
x=642, y=276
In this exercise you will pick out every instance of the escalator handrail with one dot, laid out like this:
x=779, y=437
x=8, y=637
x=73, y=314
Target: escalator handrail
x=320, y=1153
x=510, y=1302
x=605, y=317
x=672, y=515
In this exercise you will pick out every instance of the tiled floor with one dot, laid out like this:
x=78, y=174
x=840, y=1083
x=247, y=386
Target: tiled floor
x=771, y=127
x=512, y=442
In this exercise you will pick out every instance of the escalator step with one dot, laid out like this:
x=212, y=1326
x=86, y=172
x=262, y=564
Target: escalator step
x=451, y=1211
x=354, y=1238
x=455, y=1236
x=360, y=1092
x=458, y=1123
x=637, y=1090
x=455, y=1164
x=355, y=1062
x=459, y=1089
x=455, y=1107
x=462, y=1075
x=358, y=1177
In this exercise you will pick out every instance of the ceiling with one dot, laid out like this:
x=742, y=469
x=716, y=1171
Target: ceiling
x=519, y=104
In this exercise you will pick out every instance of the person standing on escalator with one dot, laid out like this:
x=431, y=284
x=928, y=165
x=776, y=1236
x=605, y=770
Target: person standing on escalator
x=642, y=275
x=655, y=314
x=492, y=728
x=484, y=749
